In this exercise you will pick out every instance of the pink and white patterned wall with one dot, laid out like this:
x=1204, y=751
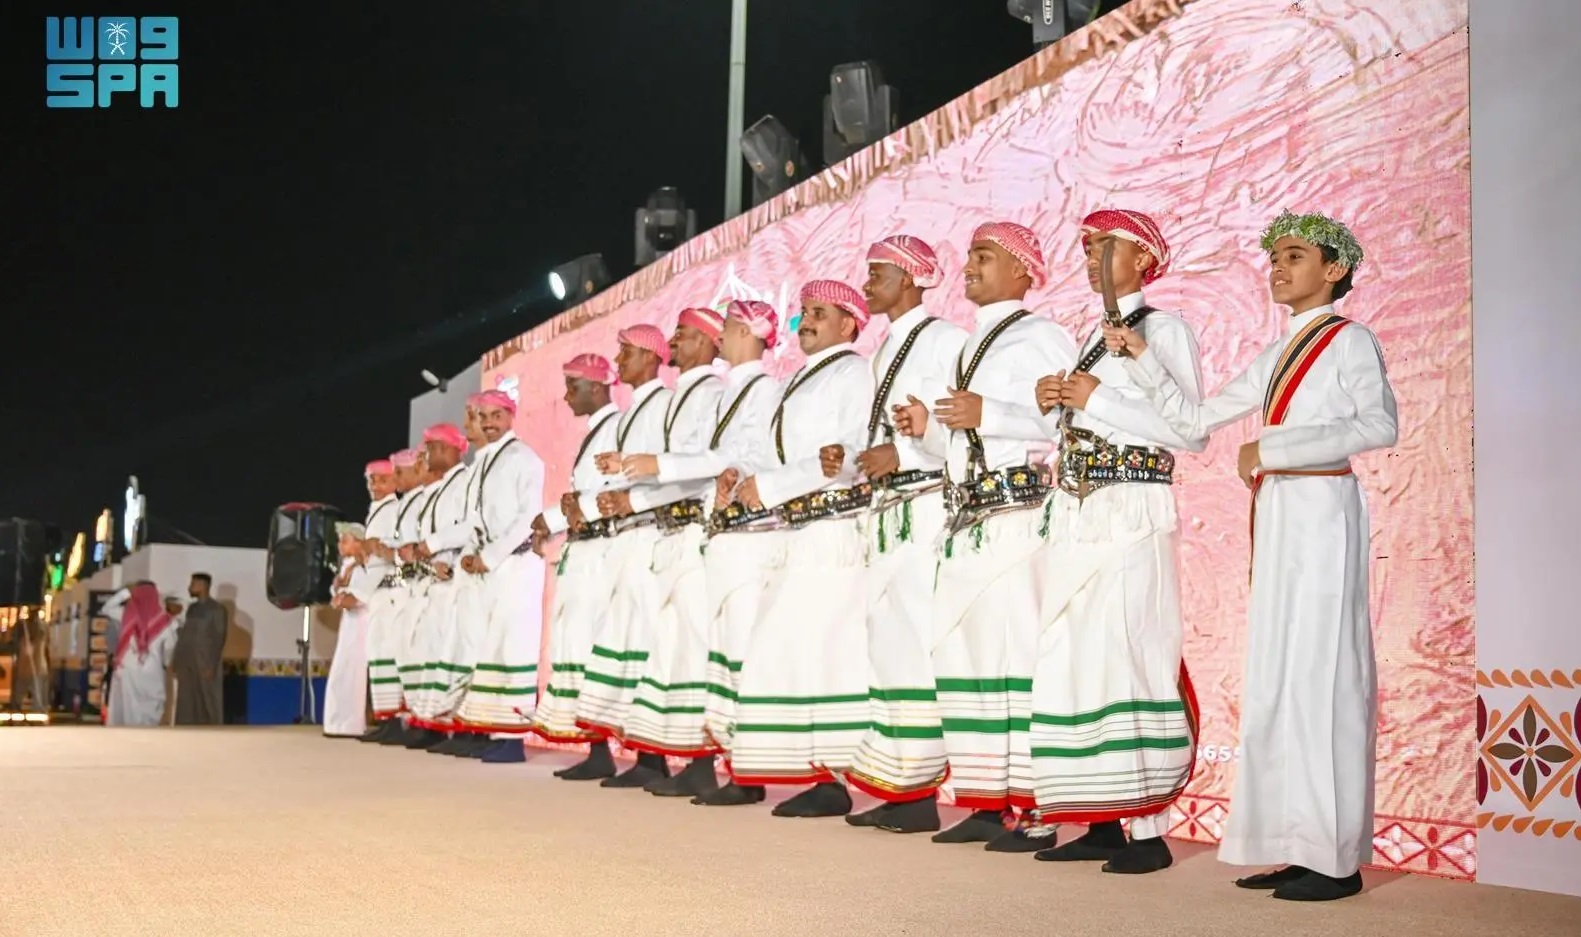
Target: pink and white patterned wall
x=1212, y=116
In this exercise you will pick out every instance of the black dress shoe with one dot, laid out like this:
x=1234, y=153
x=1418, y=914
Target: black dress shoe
x=1141, y=856
x=871, y=817
x=695, y=780
x=1101, y=842
x=732, y=795
x=1315, y=886
x=914, y=816
x=424, y=738
x=1271, y=880
x=982, y=826
x=821, y=800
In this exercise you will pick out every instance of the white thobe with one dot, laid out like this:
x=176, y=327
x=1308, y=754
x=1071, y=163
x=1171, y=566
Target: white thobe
x=412, y=606
x=735, y=565
x=666, y=715
x=346, y=688
x=802, y=708
x=509, y=494
x=1111, y=628
x=137, y=688
x=624, y=637
x=902, y=756
x=986, y=597
x=582, y=588
x=453, y=529
x=445, y=508
x=1303, y=791
x=384, y=682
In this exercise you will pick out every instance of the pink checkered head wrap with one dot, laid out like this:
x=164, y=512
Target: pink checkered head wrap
x=490, y=399
x=911, y=254
x=406, y=458
x=648, y=338
x=1135, y=227
x=1020, y=243
x=759, y=318
x=447, y=434
x=590, y=367
x=840, y=296
x=378, y=467
x=706, y=321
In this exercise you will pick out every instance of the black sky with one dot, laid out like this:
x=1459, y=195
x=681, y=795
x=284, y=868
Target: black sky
x=232, y=299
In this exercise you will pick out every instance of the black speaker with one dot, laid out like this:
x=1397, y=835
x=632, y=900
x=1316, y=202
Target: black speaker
x=22, y=554
x=304, y=555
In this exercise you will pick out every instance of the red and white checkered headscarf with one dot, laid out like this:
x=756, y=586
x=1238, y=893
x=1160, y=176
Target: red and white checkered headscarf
x=759, y=318
x=840, y=296
x=911, y=254
x=448, y=434
x=590, y=367
x=1135, y=227
x=492, y=398
x=706, y=321
x=378, y=467
x=1020, y=243
x=406, y=458
x=648, y=338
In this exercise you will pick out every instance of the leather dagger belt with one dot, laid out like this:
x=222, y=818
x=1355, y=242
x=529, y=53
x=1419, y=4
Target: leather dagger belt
x=1099, y=463
x=678, y=515
x=822, y=505
x=737, y=519
x=594, y=530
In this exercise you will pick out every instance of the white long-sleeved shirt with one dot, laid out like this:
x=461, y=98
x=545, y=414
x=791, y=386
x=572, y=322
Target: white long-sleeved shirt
x=414, y=514
x=689, y=421
x=586, y=479
x=824, y=409
x=444, y=518
x=379, y=526
x=932, y=356
x=1343, y=407
x=1007, y=380
x=745, y=444
x=640, y=429
x=507, y=497
x=1118, y=409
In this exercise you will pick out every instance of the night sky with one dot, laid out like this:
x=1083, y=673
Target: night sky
x=232, y=299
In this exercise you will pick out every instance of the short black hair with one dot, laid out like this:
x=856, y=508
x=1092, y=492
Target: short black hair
x=207, y=579
x=1331, y=256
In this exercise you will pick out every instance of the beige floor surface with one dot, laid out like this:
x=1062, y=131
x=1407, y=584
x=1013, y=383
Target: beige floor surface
x=260, y=831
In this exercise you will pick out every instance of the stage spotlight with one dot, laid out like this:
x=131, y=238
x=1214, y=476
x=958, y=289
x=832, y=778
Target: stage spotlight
x=577, y=280
x=1052, y=19
x=775, y=157
x=663, y=224
x=859, y=110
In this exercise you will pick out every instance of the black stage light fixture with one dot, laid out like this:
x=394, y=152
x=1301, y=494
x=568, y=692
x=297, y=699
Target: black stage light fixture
x=1052, y=20
x=859, y=110
x=775, y=156
x=663, y=224
x=577, y=280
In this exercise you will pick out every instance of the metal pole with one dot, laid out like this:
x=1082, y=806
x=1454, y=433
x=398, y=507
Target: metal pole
x=734, y=121
x=304, y=644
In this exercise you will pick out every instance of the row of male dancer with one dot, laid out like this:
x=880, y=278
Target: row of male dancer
x=956, y=562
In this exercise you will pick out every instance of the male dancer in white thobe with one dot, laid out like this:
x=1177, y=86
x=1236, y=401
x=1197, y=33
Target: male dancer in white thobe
x=986, y=598
x=738, y=554
x=803, y=692
x=1303, y=790
x=582, y=584
x=504, y=688
x=444, y=444
x=384, y=680
x=412, y=607
x=666, y=713
x=1113, y=717
x=346, y=687
x=457, y=651
x=902, y=759
x=624, y=639
x=362, y=590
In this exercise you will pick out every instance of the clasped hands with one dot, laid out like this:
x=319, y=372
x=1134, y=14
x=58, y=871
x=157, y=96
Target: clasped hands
x=730, y=488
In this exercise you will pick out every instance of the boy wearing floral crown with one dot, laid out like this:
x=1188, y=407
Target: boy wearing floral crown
x=1303, y=795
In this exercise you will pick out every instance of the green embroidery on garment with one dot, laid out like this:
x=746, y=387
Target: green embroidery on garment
x=1048, y=510
x=883, y=540
x=905, y=522
x=565, y=555
x=977, y=537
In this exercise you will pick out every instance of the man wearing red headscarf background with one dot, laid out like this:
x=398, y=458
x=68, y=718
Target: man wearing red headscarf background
x=901, y=760
x=142, y=656
x=582, y=588
x=802, y=704
x=666, y=716
x=1114, y=721
x=506, y=499
x=985, y=601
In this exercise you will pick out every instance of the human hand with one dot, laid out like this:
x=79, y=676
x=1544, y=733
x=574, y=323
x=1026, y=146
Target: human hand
x=608, y=463
x=1049, y=389
x=879, y=461
x=831, y=459
x=1118, y=338
x=911, y=417
x=747, y=494
x=1250, y=462
x=614, y=503
x=640, y=466
x=962, y=409
x=1077, y=390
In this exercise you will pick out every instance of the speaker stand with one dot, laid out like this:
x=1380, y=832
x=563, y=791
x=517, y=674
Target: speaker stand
x=304, y=646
